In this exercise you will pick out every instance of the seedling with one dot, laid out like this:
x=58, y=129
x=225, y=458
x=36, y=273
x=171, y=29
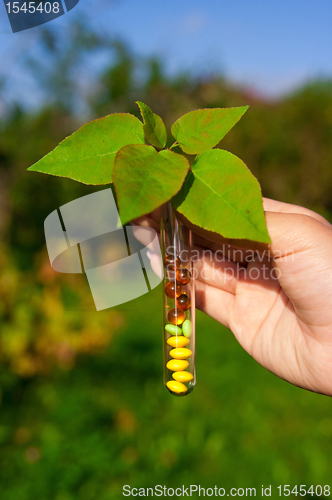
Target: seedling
x=217, y=192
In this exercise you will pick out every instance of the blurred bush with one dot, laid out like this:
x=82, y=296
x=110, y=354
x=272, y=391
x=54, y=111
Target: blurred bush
x=84, y=410
x=43, y=322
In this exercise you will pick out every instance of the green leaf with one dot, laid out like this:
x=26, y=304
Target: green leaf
x=154, y=128
x=88, y=154
x=144, y=179
x=203, y=129
x=222, y=195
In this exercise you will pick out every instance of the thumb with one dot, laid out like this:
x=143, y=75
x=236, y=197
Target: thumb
x=300, y=249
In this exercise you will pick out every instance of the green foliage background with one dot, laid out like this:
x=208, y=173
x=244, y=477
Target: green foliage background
x=83, y=408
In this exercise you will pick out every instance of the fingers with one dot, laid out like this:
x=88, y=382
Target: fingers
x=238, y=297
x=301, y=249
x=155, y=261
x=298, y=262
x=150, y=220
x=281, y=207
x=143, y=235
x=291, y=233
x=215, y=302
x=294, y=232
x=242, y=251
x=212, y=268
x=146, y=221
x=230, y=251
x=213, y=294
x=153, y=219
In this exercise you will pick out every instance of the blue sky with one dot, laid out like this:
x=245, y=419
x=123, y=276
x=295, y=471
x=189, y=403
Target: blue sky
x=270, y=45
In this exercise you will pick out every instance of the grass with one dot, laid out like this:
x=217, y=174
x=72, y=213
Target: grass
x=109, y=422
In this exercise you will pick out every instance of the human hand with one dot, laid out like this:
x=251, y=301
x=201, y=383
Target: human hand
x=277, y=302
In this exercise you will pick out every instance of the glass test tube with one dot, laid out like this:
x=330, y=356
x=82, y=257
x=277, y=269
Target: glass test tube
x=179, y=305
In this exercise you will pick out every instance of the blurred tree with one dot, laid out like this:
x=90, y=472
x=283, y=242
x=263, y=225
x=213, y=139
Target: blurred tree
x=116, y=84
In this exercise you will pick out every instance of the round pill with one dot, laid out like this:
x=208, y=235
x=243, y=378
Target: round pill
x=183, y=301
x=183, y=276
x=187, y=328
x=178, y=341
x=173, y=329
x=176, y=316
x=173, y=290
x=182, y=376
x=177, y=387
x=181, y=353
x=177, y=365
x=171, y=262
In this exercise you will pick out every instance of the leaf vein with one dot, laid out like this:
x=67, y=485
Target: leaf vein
x=225, y=201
